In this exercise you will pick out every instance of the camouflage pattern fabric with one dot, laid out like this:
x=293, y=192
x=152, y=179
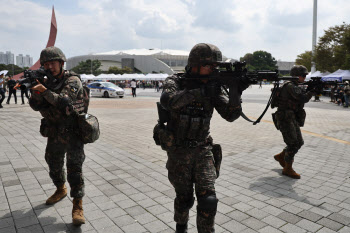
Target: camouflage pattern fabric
x=70, y=144
x=61, y=125
x=203, y=53
x=291, y=133
x=51, y=54
x=188, y=166
x=290, y=116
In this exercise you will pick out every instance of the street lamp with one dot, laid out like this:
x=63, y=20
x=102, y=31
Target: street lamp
x=314, y=34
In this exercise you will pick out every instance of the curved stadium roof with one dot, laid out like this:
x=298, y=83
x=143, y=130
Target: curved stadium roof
x=146, y=52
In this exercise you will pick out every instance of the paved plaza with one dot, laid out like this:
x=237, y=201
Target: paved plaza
x=126, y=184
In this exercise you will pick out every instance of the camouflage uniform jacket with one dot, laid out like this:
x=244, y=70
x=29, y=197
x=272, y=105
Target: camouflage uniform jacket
x=293, y=97
x=52, y=103
x=190, y=111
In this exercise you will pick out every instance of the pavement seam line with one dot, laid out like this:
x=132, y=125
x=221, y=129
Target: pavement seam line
x=314, y=134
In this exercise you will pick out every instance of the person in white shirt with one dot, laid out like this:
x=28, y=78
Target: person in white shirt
x=133, y=87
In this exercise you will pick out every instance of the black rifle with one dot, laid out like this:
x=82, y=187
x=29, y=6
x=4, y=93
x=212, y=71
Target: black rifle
x=317, y=85
x=32, y=77
x=230, y=76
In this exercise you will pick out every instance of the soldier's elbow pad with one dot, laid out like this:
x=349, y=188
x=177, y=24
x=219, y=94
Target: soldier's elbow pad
x=34, y=105
x=164, y=100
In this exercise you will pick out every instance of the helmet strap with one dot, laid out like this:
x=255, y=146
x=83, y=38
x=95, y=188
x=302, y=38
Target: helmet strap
x=61, y=70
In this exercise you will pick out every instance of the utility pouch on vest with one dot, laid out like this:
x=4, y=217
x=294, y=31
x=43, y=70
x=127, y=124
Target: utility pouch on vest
x=204, y=131
x=275, y=121
x=182, y=129
x=44, y=128
x=89, y=128
x=217, y=154
x=300, y=117
x=163, y=137
x=194, y=128
x=156, y=130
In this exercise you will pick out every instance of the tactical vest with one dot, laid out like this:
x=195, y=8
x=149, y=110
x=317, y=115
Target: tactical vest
x=283, y=100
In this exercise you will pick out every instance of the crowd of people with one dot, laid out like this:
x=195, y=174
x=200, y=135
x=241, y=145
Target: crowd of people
x=340, y=94
x=157, y=85
x=8, y=85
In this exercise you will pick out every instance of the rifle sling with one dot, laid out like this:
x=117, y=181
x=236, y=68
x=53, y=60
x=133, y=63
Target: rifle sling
x=276, y=85
x=268, y=103
x=245, y=117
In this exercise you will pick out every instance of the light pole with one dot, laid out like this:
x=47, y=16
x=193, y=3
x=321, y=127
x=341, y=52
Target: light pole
x=314, y=34
x=91, y=65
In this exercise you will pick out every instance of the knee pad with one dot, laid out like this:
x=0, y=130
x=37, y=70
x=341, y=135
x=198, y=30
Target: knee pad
x=208, y=203
x=184, y=204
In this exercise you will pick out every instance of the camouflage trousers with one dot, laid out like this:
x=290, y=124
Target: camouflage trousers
x=56, y=149
x=188, y=168
x=291, y=133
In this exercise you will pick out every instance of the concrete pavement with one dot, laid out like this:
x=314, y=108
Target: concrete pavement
x=127, y=189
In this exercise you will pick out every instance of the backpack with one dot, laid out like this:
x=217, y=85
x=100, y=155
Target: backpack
x=89, y=128
x=277, y=96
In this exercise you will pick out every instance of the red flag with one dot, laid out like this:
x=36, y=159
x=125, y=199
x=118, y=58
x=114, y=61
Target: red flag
x=50, y=42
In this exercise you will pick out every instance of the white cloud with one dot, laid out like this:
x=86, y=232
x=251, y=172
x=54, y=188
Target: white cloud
x=280, y=27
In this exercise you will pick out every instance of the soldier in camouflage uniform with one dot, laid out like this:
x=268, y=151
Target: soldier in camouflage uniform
x=59, y=104
x=190, y=102
x=290, y=116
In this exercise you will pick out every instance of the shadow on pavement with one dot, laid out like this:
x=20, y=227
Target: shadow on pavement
x=279, y=187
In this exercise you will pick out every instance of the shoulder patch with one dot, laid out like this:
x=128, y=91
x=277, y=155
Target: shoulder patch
x=297, y=90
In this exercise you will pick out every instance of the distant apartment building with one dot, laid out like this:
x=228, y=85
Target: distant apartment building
x=24, y=61
x=7, y=58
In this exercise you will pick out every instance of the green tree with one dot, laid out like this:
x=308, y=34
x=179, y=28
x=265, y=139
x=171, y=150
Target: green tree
x=13, y=69
x=259, y=60
x=333, y=49
x=117, y=70
x=85, y=67
x=304, y=59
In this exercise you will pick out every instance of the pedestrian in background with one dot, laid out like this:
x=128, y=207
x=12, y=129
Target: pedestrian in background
x=133, y=87
x=2, y=90
x=12, y=90
x=346, y=94
x=24, y=92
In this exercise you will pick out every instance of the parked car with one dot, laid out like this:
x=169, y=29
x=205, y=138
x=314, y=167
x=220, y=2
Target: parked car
x=105, y=89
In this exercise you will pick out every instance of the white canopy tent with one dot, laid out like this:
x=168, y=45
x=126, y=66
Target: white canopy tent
x=156, y=76
x=148, y=77
x=339, y=75
x=316, y=74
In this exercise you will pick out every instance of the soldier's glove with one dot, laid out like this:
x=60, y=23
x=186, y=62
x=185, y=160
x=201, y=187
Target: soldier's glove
x=243, y=84
x=65, y=105
x=210, y=89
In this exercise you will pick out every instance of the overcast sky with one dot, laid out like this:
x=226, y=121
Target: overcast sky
x=280, y=27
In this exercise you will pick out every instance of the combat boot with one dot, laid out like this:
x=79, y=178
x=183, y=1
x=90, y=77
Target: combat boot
x=181, y=228
x=288, y=171
x=78, y=212
x=280, y=158
x=60, y=193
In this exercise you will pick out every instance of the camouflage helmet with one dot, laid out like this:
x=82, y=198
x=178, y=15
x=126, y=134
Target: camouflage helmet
x=298, y=70
x=51, y=54
x=204, y=53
